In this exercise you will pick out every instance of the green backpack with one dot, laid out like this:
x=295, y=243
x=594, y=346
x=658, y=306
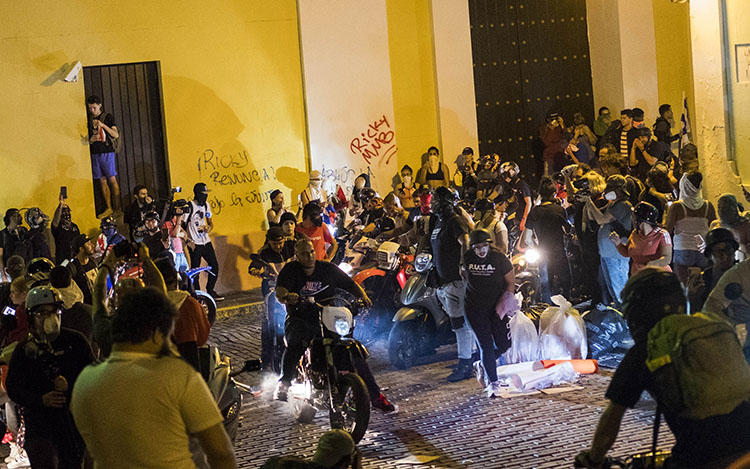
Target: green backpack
x=698, y=366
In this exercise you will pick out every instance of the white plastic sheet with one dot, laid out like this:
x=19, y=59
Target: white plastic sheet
x=541, y=379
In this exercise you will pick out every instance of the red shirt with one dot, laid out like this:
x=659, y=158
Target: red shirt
x=644, y=249
x=319, y=235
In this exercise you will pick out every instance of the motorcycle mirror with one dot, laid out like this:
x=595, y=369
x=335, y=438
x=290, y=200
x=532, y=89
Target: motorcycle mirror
x=733, y=291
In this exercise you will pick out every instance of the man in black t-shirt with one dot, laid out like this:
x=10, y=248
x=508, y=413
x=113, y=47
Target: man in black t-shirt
x=64, y=231
x=648, y=297
x=13, y=238
x=518, y=197
x=549, y=222
x=142, y=204
x=83, y=268
x=645, y=153
x=102, y=130
x=489, y=276
x=307, y=277
x=449, y=237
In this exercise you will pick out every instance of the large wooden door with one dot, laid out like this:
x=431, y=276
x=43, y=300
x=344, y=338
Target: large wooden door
x=132, y=94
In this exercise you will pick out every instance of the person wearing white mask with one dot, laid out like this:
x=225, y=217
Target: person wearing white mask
x=314, y=191
x=615, y=217
x=489, y=280
x=688, y=220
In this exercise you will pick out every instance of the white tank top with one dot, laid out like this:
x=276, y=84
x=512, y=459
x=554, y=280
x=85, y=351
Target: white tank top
x=686, y=228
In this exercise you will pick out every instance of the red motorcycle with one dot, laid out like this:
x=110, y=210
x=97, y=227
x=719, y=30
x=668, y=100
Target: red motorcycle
x=383, y=284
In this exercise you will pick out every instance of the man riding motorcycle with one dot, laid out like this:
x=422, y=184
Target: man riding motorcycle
x=307, y=277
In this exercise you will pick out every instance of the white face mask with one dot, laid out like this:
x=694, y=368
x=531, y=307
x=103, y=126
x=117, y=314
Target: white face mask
x=611, y=195
x=482, y=251
x=51, y=328
x=646, y=228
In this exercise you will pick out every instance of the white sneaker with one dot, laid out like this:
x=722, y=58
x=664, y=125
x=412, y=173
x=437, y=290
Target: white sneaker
x=13, y=452
x=21, y=461
x=493, y=390
x=479, y=373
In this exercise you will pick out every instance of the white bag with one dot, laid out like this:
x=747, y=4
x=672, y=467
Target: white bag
x=540, y=379
x=524, y=340
x=562, y=333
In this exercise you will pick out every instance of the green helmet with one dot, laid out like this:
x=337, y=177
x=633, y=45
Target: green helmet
x=42, y=295
x=479, y=236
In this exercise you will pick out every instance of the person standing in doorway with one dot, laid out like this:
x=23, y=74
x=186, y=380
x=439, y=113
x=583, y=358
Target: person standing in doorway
x=200, y=225
x=102, y=130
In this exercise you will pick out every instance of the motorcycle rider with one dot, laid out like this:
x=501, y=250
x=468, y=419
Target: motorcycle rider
x=489, y=277
x=486, y=217
x=306, y=277
x=449, y=239
x=401, y=221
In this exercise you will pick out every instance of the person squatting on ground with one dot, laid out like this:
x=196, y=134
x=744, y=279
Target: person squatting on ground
x=336, y=450
x=41, y=374
x=489, y=280
x=651, y=296
x=140, y=406
x=449, y=239
x=307, y=277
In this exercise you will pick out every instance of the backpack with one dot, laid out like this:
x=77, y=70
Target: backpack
x=698, y=367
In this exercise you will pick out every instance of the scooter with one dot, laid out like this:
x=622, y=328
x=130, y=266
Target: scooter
x=272, y=340
x=206, y=300
x=421, y=324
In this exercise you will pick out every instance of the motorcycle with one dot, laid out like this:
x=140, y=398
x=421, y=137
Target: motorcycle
x=272, y=340
x=383, y=283
x=326, y=375
x=206, y=301
x=227, y=392
x=526, y=269
x=421, y=324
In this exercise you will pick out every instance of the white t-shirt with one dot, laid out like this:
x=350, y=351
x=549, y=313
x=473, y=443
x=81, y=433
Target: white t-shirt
x=136, y=410
x=197, y=223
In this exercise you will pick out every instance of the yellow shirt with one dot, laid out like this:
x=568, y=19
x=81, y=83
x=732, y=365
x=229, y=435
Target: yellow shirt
x=137, y=410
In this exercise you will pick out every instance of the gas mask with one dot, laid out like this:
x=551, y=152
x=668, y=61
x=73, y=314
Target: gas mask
x=611, y=195
x=50, y=329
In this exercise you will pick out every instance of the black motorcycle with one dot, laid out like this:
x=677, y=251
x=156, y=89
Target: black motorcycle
x=327, y=378
x=226, y=390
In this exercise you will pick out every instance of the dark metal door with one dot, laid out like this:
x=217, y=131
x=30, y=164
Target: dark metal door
x=132, y=94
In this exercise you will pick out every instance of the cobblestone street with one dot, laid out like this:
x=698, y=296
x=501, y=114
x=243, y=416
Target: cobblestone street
x=452, y=421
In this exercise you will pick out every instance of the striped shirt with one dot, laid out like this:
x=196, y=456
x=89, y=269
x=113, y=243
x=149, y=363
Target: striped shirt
x=624, y=143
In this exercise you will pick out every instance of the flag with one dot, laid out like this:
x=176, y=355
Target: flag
x=685, y=131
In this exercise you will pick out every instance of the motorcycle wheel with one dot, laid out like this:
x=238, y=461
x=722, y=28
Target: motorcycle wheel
x=403, y=344
x=352, y=411
x=208, y=305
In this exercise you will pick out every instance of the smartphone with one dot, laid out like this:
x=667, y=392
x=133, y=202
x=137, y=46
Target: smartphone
x=63, y=192
x=8, y=311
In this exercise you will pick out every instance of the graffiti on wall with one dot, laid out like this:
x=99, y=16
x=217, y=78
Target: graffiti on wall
x=376, y=142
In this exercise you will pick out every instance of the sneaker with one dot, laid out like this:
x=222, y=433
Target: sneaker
x=493, y=390
x=382, y=403
x=479, y=373
x=463, y=371
x=21, y=461
x=280, y=394
x=216, y=296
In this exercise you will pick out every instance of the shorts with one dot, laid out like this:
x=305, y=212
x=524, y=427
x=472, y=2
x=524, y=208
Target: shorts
x=103, y=165
x=689, y=258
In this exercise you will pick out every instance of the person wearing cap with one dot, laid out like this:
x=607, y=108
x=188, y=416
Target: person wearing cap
x=288, y=223
x=273, y=215
x=615, y=216
x=315, y=230
x=720, y=251
x=336, y=450
x=41, y=376
x=141, y=406
x=200, y=224
x=648, y=244
x=638, y=116
x=733, y=217
x=489, y=279
x=83, y=268
x=314, y=191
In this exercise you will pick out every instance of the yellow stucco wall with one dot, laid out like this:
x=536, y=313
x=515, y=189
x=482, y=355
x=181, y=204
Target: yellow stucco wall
x=231, y=84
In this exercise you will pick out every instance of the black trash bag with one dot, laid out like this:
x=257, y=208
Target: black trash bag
x=606, y=331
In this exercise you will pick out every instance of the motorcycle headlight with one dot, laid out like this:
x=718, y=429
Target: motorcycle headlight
x=423, y=262
x=346, y=268
x=533, y=256
x=342, y=327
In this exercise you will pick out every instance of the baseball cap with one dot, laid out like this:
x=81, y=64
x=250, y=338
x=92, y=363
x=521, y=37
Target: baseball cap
x=275, y=233
x=467, y=151
x=78, y=243
x=200, y=188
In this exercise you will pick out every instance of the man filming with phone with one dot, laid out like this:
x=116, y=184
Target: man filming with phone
x=102, y=135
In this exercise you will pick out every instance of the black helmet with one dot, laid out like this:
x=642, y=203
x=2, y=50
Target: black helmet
x=479, y=236
x=719, y=235
x=152, y=215
x=366, y=194
x=484, y=205
x=616, y=182
x=510, y=169
x=35, y=217
x=645, y=212
x=444, y=196
x=650, y=295
x=108, y=222
x=40, y=265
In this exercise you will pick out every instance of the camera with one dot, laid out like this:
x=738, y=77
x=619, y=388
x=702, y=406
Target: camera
x=582, y=187
x=176, y=189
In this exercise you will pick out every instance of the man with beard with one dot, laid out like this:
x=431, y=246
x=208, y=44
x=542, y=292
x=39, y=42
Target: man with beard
x=312, y=227
x=199, y=225
x=136, y=212
x=64, y=231
x=41, y=374
x=449, y=238
x=83, y=268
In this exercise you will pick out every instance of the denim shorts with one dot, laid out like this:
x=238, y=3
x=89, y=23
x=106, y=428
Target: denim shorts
x=103, y=165
x=689, y=258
